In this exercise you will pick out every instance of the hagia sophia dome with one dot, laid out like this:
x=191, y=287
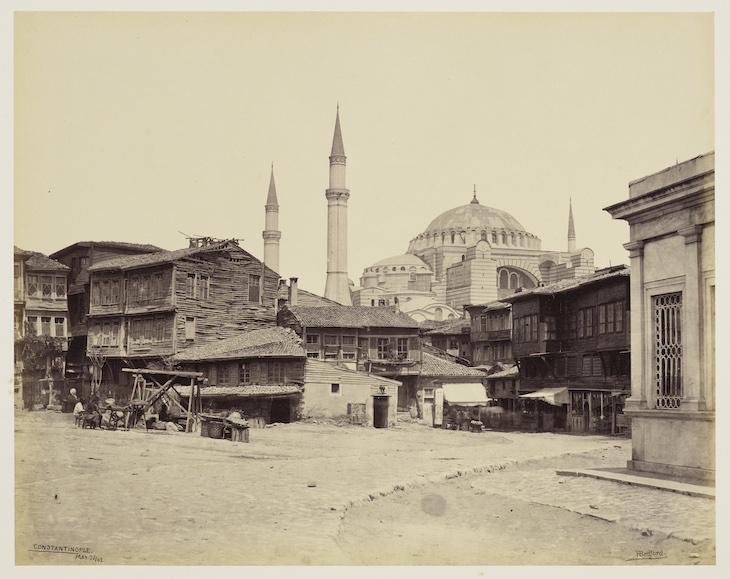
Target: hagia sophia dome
x=474, y=216
x=469, y=223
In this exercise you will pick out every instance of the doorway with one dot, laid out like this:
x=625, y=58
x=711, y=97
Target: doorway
x=280, y=410
x=380, y=411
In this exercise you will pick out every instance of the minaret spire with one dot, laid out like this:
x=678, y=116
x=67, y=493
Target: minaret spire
x=271, y=233
x=571, y=228
x=337, y=287
x=337, y=149
x=475, y=201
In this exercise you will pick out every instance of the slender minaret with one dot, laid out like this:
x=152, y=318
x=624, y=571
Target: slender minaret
x=271, y=234
x=571, y=229
x=337, y=286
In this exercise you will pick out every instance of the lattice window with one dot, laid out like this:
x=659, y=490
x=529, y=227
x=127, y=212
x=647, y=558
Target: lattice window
x=668, y=349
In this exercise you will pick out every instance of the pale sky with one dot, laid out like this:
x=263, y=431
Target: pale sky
x=137, y=126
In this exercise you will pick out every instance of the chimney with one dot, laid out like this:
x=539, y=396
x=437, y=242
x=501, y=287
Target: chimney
x=293, y=291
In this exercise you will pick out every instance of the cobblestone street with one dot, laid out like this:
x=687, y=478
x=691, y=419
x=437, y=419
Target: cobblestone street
x=286, y=497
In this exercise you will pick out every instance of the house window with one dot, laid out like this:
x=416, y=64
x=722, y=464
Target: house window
x=137, y=331
x=348, y=355
x=106, y=333
x=190, y=285
x=314, y=355
x=330, y=340
x=551, y=327
x=203, y=287
x=588, y=322
x=60, y=287
x=403, y=348
x=190, y=328
x=148, y=329
x=254, y=291
x=667, y=322
x=60, y=327
x=483, y=323
x=135, y=289
x=618, y=316
x=276, y=372
x=362, y=347
x=592, y=365
x=223, y=374
x=159, y=329
x=46, y=287
x=33, y=325
x=313, y=339
x=158, y=286
x=144, y=289
x=32, y=286
x=45, y=326
x=105, y=293
x=114, y=292
x=348, y=340
x=610, y=319
x=383, y=347
x=244, y=373
x=334, y=388
x=115, y=334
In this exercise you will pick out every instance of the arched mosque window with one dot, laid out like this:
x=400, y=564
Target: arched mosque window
x=513, y=281
x=503, y=279
x=504, y=238
x=439, y=315
x=484, y=235
x=494, y=237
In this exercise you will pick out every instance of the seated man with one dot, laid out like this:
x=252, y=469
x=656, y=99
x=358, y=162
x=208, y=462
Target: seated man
x=92, y=416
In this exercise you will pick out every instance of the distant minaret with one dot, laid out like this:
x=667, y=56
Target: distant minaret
x=571, y=229
x=337, y=286
x=271, y=234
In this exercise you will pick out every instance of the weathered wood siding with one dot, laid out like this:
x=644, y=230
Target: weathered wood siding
x=228, y=308
x=292, y=371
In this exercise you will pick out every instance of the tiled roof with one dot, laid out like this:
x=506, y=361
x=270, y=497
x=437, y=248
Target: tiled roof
x=113, y=244
x=37, y=261
x=571, y=284
x=512, y=372
x=492, y=306
x=246, y=391
x=147, y=259
x=351, y=317
x=436, y=366
x=268, y=342
x=452, y=327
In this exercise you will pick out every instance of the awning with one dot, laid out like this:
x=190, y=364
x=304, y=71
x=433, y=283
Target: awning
x=554, y=396
x=472, y=394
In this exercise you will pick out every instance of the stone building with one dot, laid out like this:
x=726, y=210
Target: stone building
x=671, y=215
x=472, y=254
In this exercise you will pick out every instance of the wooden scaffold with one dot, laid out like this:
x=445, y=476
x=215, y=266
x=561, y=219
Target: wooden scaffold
x=145, y=394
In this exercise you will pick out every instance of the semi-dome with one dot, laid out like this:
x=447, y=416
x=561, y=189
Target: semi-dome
x=406, y=260
x=474, y=216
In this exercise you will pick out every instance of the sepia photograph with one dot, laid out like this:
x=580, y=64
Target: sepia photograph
x=411, y=286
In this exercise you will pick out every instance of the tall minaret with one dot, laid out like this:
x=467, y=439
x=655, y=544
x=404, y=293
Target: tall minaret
x=337, y=286
x=571, y=229
x=271, y=234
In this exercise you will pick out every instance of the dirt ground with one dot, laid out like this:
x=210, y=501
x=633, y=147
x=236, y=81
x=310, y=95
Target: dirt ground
x=300, y=494
x=458, y=523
